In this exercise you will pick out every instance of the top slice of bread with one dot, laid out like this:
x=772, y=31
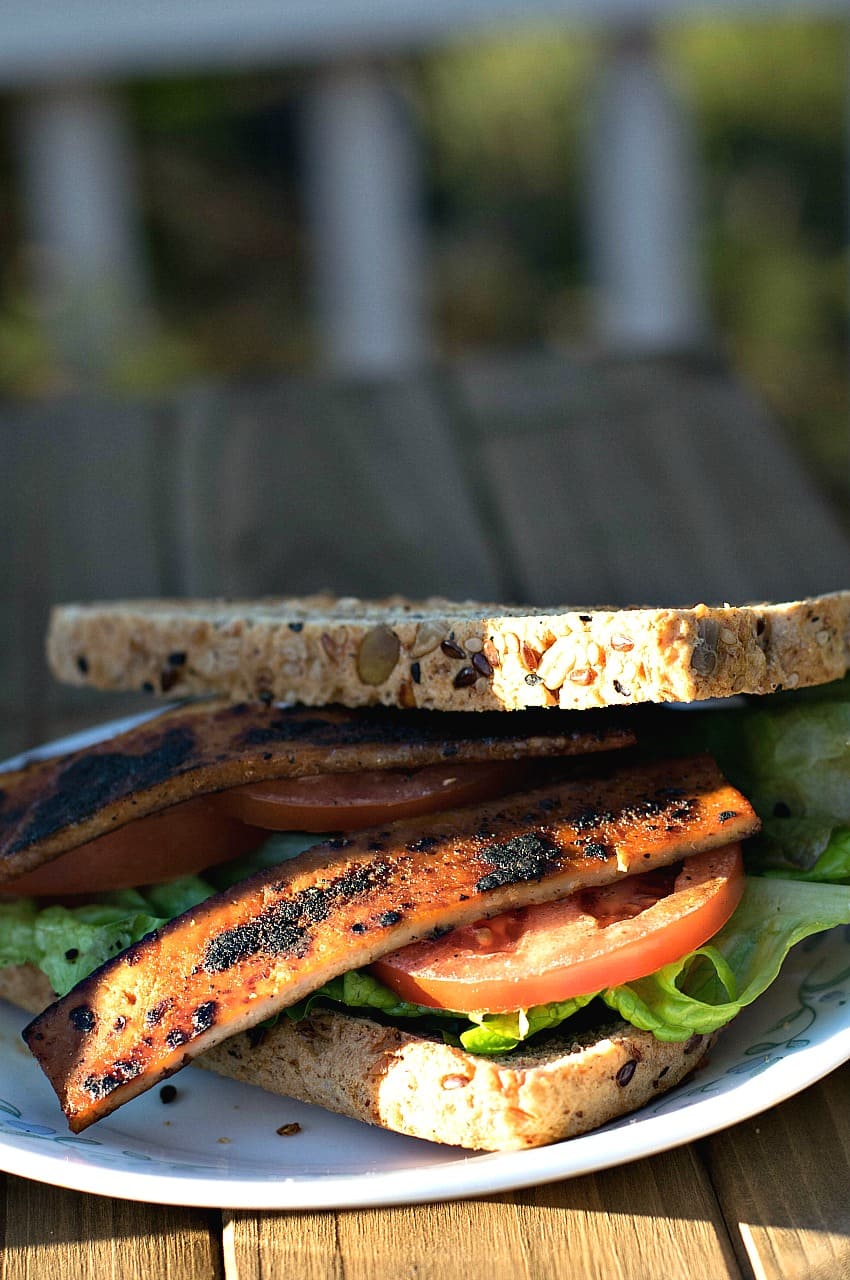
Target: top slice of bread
x=449, y=656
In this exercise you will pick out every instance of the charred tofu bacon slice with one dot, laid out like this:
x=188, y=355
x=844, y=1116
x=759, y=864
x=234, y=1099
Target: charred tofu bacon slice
x=241, y=956
x=55, y=805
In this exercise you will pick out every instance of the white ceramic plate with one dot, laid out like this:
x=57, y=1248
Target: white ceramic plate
x=217, y=1144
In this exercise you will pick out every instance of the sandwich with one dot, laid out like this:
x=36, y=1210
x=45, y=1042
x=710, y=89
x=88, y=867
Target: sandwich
x=446, y=868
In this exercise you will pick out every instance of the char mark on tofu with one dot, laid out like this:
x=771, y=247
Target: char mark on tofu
x=55, y=805
x=240, y=957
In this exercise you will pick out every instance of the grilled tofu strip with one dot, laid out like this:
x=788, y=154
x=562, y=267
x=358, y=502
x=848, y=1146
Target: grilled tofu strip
x=238, y=958
x=56, y=805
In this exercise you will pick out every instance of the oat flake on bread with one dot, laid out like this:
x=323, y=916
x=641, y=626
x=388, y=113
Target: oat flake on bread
x=448, y=656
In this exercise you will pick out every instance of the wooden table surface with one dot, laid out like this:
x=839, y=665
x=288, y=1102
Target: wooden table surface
x=545, y=479
x=767, y=1198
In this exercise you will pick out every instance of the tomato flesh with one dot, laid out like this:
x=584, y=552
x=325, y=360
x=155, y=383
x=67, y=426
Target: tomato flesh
x=211, y=829
x=179, y=841
x=594, y=939
x=354, y=801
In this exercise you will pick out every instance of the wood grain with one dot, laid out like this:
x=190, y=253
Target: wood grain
x=53, y=1234
x=76, y=517
x=625, y=482
x=658, y=1218
x=783, y=1180
x=282, y=1244
x=306, y=486
x=551, y=478
x=542, y=477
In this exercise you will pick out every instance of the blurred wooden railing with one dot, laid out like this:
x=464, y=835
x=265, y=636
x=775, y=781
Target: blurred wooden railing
x=537, y=478
x=64, y=66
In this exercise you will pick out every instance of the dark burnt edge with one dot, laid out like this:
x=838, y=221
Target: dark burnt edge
x=133, y=954
x=385, y=726
x=123, y=1070
x=285, y=927
x=95, y=779
x=281, y=921
x=520, y=857
x=529, y=855
x=281, y=928
x=92, y=781
x=530, y=851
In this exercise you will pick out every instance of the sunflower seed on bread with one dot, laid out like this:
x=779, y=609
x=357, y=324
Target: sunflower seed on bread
x=449, y=656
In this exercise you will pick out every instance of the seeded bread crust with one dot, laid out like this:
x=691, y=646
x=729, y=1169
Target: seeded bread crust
x=426, y=1089
x=448, y=656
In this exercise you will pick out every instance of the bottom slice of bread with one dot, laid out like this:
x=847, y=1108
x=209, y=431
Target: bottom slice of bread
x=423, y=1087
x=420, y=1086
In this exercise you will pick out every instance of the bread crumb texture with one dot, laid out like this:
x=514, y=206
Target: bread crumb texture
x=426, y=1089
x=421, y=1087
x=448, y=656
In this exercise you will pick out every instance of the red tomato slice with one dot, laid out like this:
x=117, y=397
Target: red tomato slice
x=594, y=939
x=353, y=801
x=203, y=832
x=180, y=841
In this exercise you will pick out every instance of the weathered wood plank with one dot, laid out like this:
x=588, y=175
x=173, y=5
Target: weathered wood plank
x=783, y=1184
x=593, y=1228
x=304, y=486
x=77, y=520
x=52, y=1234
x=538, y=477
x=659, y=1217
x=632, y=482
x=279, y=1244
x=754, y=515
x=502, y=482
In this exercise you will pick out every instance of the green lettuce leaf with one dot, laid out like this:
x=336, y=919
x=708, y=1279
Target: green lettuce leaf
x=798, y=759
x=501, y=1032
x=67, y=943
x=699, y=993
x=802, y=849
x=790, y=755
x=709, y=987
x=359, y=990
x=478, y=1032
x=280, y=847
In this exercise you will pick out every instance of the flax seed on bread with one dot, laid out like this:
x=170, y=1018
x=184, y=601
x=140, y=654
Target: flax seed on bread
x=419, y=1086
x=449, y=656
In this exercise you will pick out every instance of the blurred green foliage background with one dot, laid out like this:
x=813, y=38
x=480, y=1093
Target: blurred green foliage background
x=501, y=126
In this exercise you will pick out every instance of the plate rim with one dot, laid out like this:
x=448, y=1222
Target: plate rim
x=458, y=1178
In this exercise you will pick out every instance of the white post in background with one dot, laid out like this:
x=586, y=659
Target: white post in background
x=364, y=193
x=84, y=247
x=642, y=204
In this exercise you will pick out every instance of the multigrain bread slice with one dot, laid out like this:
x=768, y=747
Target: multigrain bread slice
x=419, y=1086
x=449, y=656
